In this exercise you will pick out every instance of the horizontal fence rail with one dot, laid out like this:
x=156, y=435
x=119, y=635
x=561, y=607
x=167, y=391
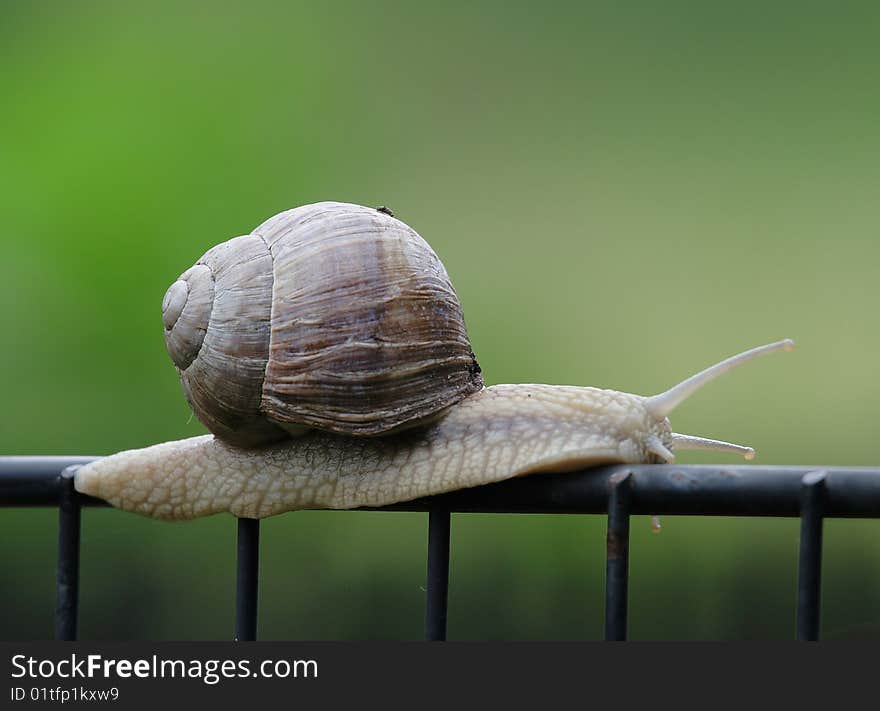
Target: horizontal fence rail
x=620, y=491
x=671, y=489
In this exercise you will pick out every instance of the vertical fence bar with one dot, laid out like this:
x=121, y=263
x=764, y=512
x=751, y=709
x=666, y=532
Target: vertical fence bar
x=67, y=576
x=437, y=584
x=810, y=557
x=617, y=556
x=246, y=580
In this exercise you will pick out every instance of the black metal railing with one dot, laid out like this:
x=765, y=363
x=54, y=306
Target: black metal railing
x=810, y=493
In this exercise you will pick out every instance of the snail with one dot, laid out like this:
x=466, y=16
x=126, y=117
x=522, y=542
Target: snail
x=327, y=353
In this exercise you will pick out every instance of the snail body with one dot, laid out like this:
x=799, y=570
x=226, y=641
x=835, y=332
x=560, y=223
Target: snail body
x=500, y=432
x=332, y=424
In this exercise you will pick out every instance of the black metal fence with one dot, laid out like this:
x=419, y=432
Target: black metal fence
x=620, y=491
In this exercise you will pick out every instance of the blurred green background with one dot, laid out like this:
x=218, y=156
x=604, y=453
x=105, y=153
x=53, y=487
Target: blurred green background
x=622, y=193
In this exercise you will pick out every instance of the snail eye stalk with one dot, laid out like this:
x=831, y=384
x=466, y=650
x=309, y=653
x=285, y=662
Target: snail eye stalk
x=664, y=403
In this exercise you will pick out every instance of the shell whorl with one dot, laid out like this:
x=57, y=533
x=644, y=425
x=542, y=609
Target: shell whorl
x=222, y=361
x=186, y=310
x=333, y=316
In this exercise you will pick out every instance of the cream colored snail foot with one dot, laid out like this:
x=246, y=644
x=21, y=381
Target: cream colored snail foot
x=497, y=433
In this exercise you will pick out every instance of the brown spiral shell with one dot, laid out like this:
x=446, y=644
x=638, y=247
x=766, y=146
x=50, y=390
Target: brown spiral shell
x=331, y=315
